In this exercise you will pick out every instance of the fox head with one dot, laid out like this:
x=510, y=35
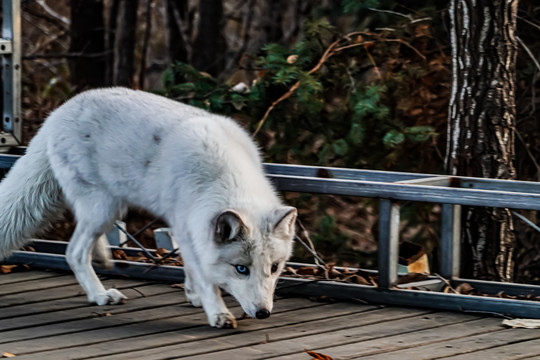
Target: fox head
x=251, y=253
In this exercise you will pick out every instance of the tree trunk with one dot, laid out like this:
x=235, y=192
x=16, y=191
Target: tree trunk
x=110, y=39
x=124, y=43
x=481, y=125
x=210, y=46
x=177, y=19
x=87, y=43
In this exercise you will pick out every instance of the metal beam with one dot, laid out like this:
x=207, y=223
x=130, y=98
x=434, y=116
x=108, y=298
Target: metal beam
x=421, y=193
x=11, y=68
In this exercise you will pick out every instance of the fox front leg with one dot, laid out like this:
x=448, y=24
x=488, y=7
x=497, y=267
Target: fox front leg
x=200, y=291
x=191, y=289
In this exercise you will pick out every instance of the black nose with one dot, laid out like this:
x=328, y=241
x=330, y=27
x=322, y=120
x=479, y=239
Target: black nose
x=262, y=314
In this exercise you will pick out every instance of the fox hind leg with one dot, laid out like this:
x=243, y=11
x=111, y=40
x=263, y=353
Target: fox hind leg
x=92, y=221
x=101, y=255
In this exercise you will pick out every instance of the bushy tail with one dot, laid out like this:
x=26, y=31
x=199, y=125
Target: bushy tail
x=30, y=197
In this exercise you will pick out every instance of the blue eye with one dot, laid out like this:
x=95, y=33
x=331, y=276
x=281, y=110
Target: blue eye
x=242, y=269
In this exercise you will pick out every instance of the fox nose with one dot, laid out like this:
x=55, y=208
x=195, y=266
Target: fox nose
x=262, y=314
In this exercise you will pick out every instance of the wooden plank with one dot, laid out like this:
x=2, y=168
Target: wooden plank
x=138, y=299
x=35, y=300
x=67, y=326
x=37, y=284
x=277, y=328
x=187, y=325
x=103, y=329
x=18, y=277
x=357, y=331
x=504, y=344
x=437, y=334
x=63, y=304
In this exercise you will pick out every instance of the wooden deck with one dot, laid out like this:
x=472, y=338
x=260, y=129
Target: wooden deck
x=44, y=315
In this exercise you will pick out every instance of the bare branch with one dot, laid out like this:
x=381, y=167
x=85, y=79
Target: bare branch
x=51, y=12
x=528, y=51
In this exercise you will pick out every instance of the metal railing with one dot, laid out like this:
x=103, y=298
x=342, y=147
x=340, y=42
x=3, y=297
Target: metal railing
x=391, y=188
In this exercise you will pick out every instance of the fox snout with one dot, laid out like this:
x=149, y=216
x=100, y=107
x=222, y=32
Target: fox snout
x=262, y=314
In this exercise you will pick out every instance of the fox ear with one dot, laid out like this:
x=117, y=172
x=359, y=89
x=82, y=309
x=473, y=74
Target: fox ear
x=284, y=227
x=229, y=226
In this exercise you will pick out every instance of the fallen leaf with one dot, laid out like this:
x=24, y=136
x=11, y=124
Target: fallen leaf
x=161, y=252
x=120, y=255
x=522, y=323
x=412, y=277
x=464, y=288
x=6, y=269
x=8, y=355
x=307, y=270
x=357, y=279
x=318, y=356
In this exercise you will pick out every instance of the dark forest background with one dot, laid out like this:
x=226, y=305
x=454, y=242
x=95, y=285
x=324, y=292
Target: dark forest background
x=364, y=84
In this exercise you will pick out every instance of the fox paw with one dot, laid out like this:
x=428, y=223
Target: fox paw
x=111, y=296
x=193, y=298
x=223, y=321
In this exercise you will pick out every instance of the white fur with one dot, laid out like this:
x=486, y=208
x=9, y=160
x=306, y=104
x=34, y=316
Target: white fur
x=108, y=149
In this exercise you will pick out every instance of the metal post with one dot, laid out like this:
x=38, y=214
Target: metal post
x=117, y=237
x=388, y=242
x=450, y=240
x=11, y=72
x=164, y=239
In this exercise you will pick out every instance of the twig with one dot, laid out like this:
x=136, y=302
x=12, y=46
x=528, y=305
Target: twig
x=66, y=55
x=373, y=62
x=529, y=22
x=447, y=283
x=311, y=248
x=51, y=12
x=528, y=51
x=392, y=12
x=518, y=134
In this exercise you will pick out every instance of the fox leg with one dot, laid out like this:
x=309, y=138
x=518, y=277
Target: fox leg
x=79, y=258
x=191, y=289
x=101, y=255
x=95, y=212
x=207, y=294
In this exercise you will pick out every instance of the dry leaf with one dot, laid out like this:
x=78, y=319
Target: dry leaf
x=464, y=288
x=307, y=270
x=120, y=255
x=318, y=356
x=161, y=252
x=6, y=269
x=357, y=279
x=522, y=323
x=8, y=355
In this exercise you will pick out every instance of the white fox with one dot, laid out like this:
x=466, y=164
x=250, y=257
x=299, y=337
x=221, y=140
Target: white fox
x=109, y=149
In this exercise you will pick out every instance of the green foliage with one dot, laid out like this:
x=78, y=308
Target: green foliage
x=353, y=6
x=365, y=107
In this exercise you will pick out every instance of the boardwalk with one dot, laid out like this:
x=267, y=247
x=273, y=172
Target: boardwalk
x=43, y=315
